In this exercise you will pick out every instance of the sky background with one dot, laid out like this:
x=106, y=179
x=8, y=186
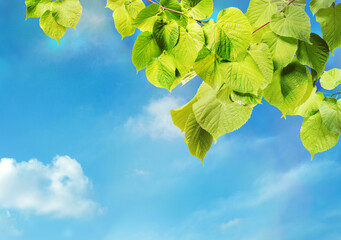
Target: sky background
x=88, y=150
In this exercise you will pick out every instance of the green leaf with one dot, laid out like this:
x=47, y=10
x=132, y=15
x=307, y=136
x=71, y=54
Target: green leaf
x=198, y=140
x=330, y=110
x=114, y=4
x=166, y=34
x=181, y=114
x=329, y=19
x=283, y=3
x=190, y=43
x=292, y=22
x=209, y=68
x=161, y=72
x=232, y=34
x=282, y=48
x=261, y=55
x=145, y=50
x=50, y=26
x=244, y=75
x=134, y=7
x=331, y=79
x=199, y=9
x=257, y=36
x=218, y=117
x=316, y=5
x=146, y=18
x=315, y=136
x=290, y=87
x=36, y=8
x=314, y=55
x=309, y=107
x=260, y=12
x=67, y=13
x=174, y=5
x=123, y=22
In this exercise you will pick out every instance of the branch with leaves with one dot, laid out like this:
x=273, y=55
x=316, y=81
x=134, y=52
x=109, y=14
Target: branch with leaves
x=268, y=53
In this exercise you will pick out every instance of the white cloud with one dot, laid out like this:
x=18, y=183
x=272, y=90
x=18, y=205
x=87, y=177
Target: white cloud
x=229, y=224
x=60, y=189
x=156, y=120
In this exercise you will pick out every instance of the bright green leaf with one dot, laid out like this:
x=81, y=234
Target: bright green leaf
x=67, y=13
x=209, y=68
x=198, y=140
x=181, y=114
x=244, y=75
x=292, y=22
x=36, y=8
x=315, y=136
x=145, y=50
x=192, y=39
x=161, y=72
x=316, y=5
x=146, y=18
x=114, y=4
x=330, y=110
x=309, y=107
x=331, y=79
x=314, y=55
x=232, y=34
x=260, y=12
x=219, y=118
x=123, y=22
x=50, y=26
x=198, y=9
x=329, y=19
x=166, y=34
x=282, y=48
x=283, y=3
x=290, y=87
x=261, y=54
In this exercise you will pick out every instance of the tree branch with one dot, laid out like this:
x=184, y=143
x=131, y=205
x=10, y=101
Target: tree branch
x=290, y=2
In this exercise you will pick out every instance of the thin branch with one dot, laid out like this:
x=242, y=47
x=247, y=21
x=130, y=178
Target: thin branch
x=172, y=10
x=290, y=2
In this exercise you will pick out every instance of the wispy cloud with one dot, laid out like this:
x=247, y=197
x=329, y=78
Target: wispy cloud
x=231, y=223
x=60, y=189
x=156, y=120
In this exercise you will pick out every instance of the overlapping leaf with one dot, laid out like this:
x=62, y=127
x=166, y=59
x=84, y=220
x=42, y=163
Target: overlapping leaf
x=291, y=87
x=55, y=16
x=315, y=136
x=331, y=79
x=282, y=48
x=330, y=110
x=315, y=55
x=329, y=19
x=292, y=22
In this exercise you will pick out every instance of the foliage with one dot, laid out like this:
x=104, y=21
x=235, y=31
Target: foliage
x=267, y=53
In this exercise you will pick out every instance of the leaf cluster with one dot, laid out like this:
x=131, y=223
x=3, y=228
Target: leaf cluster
x=268, y=53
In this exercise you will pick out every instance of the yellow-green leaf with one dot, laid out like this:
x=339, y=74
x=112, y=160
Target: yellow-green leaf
x=315, y=136
x=50, y=26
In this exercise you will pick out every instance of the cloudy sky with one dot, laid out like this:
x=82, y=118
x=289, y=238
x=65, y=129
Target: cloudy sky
x=88, y=150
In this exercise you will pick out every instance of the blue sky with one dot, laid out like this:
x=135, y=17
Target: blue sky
x=88, y=150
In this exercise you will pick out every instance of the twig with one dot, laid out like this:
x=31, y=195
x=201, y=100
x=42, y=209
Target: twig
x=290, y=2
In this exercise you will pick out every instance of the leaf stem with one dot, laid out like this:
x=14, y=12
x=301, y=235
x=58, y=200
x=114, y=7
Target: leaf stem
x=172, y=10
x=290, y=2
